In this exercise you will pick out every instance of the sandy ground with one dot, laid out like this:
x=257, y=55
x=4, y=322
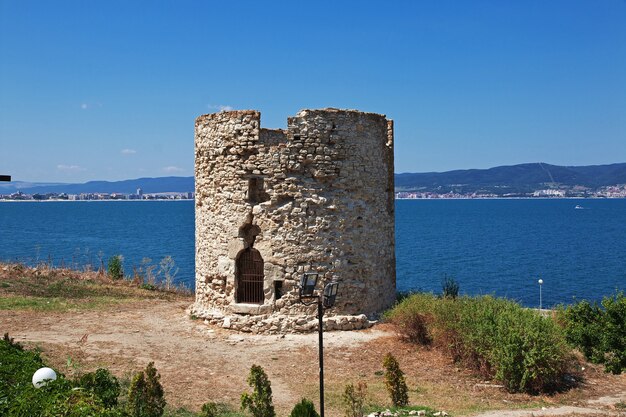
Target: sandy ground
x=199, y=363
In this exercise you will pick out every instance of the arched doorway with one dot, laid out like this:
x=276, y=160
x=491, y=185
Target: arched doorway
x=249, y=285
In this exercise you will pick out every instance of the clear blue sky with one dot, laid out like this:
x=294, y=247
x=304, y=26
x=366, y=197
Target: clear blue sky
x=110, y=89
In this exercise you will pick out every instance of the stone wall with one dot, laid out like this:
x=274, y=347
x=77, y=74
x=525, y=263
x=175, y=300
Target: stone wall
x=317, y=196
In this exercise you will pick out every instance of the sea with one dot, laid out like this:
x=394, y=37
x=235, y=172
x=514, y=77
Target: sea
x=499, y=247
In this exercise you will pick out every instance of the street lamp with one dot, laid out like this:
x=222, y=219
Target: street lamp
x=307, y=284
x=325, y=299
x=540, y=284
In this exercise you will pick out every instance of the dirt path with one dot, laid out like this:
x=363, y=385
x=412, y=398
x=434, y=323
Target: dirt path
x=198, y=363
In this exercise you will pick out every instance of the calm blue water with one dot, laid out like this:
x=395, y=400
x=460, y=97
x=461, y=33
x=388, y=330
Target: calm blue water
x=502, y=247
x=489, y=246
x=80, y=232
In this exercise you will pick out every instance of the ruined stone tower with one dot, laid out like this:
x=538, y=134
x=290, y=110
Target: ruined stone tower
x=273, y=204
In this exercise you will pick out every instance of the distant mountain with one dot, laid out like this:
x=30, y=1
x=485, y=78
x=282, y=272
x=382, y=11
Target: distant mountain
x=148, y=185
x=521, y=178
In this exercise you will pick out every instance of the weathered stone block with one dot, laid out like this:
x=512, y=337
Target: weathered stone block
x=272, y=204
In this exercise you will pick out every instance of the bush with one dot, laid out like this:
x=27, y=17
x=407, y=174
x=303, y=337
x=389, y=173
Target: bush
x=103, y=384
x=450, y=287
x=19, y=398
x=260, y=401
x=394, y=381
x=145, y=395
x=496, y=337
x=304, y=408
x=209, y=410
x=115, y=267
x=354, y=398
x=598, y=331
x=414, y=316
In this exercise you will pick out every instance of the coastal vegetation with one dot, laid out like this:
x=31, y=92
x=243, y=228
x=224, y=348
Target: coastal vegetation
x=598, y=330
x=259, y=402
x=51, y=289
x=394, y=381
x=101, y=394
x=94, y=394
x=495, y=337
x=493, y=343
x=304, y=408
x=115, y=268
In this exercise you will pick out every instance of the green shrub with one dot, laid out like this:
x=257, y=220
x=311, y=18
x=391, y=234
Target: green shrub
x=145, y=395
x=103, y=384
x=394, y=381
x=598, y=331
x=212, y=409
x=414, y=315
x=62, y=397
x=259, y=403
x=583, y=328
x=450, y=287
x=17, y=367
x=304, y=408
x=58, y=398
x=529, y=352
x=353, y=399
x=209, y=410
x=115, y=267
x=495, y=337
x=614, y=340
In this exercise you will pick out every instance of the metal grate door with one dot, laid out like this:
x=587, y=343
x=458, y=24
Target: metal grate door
x=250, y=277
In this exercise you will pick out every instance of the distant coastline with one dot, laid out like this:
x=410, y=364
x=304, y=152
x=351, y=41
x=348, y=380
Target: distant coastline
x=95, y=201
x=514, y=198
x=531, y=180
x=60, y=200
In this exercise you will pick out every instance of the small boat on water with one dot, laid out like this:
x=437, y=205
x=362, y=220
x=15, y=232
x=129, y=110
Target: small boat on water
x=579, y=207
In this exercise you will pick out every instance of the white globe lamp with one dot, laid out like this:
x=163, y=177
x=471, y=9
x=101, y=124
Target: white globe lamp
x=42, y=376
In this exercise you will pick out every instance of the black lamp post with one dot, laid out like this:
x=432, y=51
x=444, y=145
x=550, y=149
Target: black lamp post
x=325, y=299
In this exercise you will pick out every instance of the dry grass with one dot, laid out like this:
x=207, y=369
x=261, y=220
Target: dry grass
x=51, y=289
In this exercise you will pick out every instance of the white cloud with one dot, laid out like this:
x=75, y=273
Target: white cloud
x=84, y=106
x=172, y=169
x=220, y=107
x=128, y=151
x=70, y=168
